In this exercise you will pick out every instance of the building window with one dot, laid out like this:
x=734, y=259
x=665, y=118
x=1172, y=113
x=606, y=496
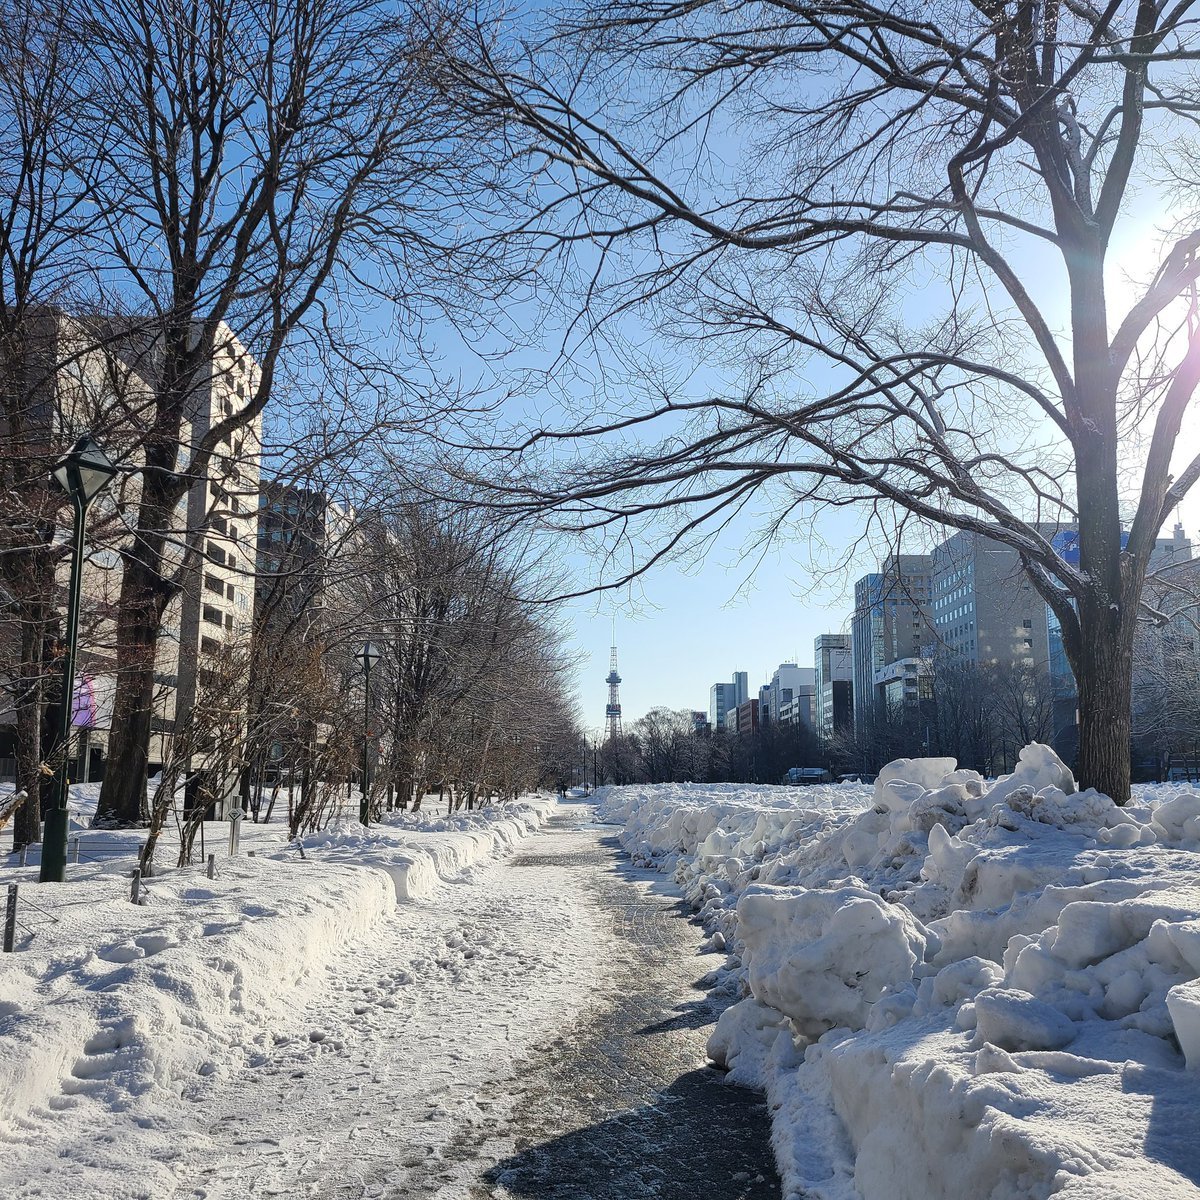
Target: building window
x=213, y=584
x=209, y=645
x=214, y=552
x=212, y=615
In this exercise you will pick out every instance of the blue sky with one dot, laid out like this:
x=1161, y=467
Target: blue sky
x=684, y=630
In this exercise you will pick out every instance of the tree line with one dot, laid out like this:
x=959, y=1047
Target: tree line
x=260, y=198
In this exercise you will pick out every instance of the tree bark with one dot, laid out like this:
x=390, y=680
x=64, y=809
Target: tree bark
x=123, y=792
x=1106, y=703
x=27, y=822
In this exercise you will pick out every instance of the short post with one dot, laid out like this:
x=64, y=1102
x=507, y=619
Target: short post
x=135, y=895
x=235, y=825
x=24, y=854
x=10, y=919
x=75, y=849
x=212, y=865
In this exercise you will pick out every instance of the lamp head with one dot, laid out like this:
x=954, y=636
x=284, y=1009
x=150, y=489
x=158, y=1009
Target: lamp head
x=85, y=470
x=368, y=656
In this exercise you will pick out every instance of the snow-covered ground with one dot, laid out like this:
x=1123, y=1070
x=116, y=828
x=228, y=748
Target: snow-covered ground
x=112, y=1013
x=953, y=987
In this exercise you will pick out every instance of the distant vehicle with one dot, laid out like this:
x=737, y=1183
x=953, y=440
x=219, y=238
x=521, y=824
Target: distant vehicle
x=807, y=775
x=858, y=777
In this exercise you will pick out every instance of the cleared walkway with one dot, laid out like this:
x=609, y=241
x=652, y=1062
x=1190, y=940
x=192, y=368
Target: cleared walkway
x=550, y=1045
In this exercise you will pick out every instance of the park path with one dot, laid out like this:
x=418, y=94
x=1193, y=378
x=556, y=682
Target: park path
x=537, y=1032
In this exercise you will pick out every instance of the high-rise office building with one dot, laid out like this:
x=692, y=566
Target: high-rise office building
x=724, y=698
x=833, y=679
x=892, y=620
x=985, y=608
x=789, y=683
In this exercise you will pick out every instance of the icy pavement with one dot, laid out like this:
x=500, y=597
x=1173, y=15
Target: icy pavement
x=622, y=1105
x=532, y=1030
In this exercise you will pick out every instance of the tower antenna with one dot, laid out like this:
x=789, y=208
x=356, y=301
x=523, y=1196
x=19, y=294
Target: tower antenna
x=612, y=711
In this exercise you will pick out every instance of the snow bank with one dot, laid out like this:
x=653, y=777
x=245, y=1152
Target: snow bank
x=953, y=986
x=119, y=1003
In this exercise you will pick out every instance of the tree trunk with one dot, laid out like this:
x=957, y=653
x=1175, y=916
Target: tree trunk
x=1105, y=683
x=27, y=822
x=123, y=792
x=143, y=600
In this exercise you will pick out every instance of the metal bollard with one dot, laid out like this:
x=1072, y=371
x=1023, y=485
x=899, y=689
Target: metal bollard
x=212, y=865
x=10, y=919
x=135, y=896
x=24, y=854
x=75, y=850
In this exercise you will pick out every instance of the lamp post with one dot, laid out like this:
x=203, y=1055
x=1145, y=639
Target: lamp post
x=82, y=473
x=366, y=658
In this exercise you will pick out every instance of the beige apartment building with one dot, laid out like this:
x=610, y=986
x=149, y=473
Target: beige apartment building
x=218, y=515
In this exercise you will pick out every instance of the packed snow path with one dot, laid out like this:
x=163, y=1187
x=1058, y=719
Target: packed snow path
x=535, y=1032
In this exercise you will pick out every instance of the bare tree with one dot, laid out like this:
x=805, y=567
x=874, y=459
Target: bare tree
x=41, y=222
x=876, y=209
x=258, y=152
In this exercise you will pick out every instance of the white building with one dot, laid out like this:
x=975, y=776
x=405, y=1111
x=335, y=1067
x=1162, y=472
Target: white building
x=833, y=665
x=789, y=683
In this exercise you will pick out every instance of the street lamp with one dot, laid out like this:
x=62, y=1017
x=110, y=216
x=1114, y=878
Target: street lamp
x=366, y=658
x=82, y=473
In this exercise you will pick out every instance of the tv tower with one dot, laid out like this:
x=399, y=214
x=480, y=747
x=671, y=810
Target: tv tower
x=612, y=713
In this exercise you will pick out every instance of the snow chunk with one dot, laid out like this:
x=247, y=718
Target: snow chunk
x=952, y=985
x=743, y=1039
x=823, y=957
x=1183, y=1003
x=1053, y=806
x=1038, y=767
x=925, y=773
x=1177, y=820
x=1015, y=1020
x=1088, y=931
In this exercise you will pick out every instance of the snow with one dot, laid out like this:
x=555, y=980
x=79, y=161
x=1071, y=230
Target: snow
x=953, y=986
x=113, y=1012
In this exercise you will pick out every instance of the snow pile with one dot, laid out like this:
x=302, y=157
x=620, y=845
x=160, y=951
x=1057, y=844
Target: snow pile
x=823, y=957
x=123, y=1004
x=953, y=986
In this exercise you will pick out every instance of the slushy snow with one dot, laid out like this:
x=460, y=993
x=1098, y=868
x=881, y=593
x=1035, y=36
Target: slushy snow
x=952, y=986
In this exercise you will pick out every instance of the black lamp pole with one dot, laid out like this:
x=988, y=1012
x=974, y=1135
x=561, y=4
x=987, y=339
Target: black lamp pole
x=82, y=473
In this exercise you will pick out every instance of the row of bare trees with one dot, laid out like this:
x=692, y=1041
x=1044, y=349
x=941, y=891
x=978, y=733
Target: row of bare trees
x=470, y=696
x=664, y=746
x=193, y=193
x=469, y=700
